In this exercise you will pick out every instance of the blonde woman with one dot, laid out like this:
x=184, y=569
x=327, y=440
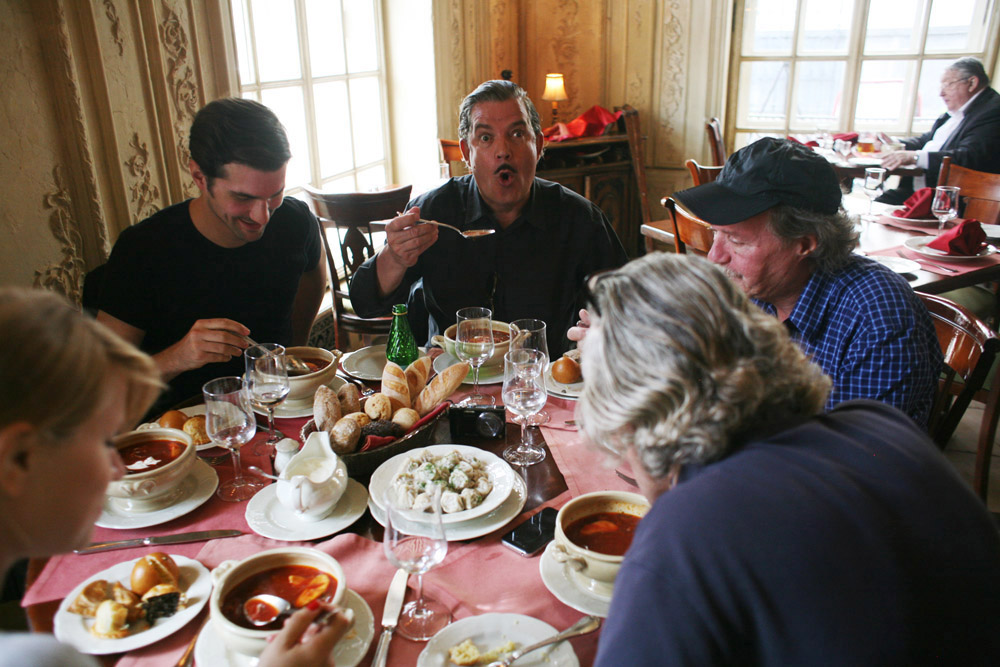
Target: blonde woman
x=778, y=535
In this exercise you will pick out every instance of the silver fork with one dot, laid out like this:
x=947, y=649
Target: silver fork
x=365, y=390
x=924, y=261
x=584, y=626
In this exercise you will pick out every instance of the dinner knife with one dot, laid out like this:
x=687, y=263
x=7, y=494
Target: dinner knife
x=179, y=538
x=393, y=605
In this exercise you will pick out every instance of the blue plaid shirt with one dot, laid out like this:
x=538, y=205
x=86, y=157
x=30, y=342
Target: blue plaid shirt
x=865, y=327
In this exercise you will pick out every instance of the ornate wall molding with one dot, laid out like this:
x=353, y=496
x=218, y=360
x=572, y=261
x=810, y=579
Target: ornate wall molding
x=66, y=277
x=672, y=90
x=145, y=195
x=116, y=26
x=182, y=86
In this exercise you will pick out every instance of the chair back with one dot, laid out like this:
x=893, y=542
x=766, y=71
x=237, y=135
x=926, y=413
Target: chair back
x=691, y=233
x=713, y=128
x=969, y=347
x=451, y=152
x=702, y=174
x=348, y=218
x=980, y=190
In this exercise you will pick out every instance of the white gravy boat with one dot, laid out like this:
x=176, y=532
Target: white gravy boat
x=314, y=480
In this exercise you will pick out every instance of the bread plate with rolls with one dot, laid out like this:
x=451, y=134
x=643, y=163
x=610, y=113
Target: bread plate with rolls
x=564, y=378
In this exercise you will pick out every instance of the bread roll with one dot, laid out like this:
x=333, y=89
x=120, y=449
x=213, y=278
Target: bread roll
x=152, y=569
x=360, y=417
x=394, y=386
x=326, y=408
x=350, y=399
x=406, y=417
x=195, y=427
x=441, y=387
x=378, y=406
x=417, y=374
x=344, y=436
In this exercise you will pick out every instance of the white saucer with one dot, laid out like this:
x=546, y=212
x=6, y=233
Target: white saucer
x=917, y=222
x=196, y=488
x=269, y=518
x=897, y=264
x=368, y=362
x=492, y=375
x=349, y=651
x=559, y=583
x=301, y=408
x=560, y=390
x=919, y=244
x=488, y=631
x=484, y=525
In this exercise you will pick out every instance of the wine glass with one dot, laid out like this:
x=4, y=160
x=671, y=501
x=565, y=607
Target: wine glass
x=267, y=382
x=529, y=334
x=415, y=541
x=231, y=423
x=524, y=394
x=843, y=147
x=474, y=344
x=945, y=205
x=874, y=182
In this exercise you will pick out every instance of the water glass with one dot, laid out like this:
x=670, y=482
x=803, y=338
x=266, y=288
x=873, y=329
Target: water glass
x=529, y=334
x=945, y=204
x=524, y=395
x=231, y=423
x=874, y=183
x=474, y=344
x=267, y=382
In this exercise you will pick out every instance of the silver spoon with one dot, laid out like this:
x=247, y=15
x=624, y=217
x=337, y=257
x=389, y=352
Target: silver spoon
x=471, y=234
x=584, y=626
x=292, y=362
x=273, y=603
x=257, y=471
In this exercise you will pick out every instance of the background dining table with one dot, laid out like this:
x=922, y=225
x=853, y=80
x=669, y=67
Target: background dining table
x=478, y=576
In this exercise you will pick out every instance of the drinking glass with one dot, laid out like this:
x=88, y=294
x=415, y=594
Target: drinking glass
x=843, y=147
x=524, y=394
x=474, y=344
x=530, y=335
x=231, y=423
x=945, y=205
x=267, y=382
x=415, y=542
x=874, y=182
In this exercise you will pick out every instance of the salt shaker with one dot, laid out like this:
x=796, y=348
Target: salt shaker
x=283, y=453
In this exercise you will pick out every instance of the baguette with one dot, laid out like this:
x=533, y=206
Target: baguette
x=417, y=374
x=326, y=408
x=394, y=386
x=441, y=387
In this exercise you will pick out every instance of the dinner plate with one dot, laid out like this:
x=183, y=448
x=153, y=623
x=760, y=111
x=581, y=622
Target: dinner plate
x=500, y=472
x=491, y=375
x=73, y=629
x=919, y=222
x=559, y=389
x=269, y=518
x=211, y=650
x=300, y=408
x=484, y=525
x=196, y=488
x=897, y=264
x=557, y=580
x=490, y=631
x=367, y=363
x=919, y=244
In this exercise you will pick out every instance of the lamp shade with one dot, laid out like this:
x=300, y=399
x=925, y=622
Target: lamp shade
x=555, y=88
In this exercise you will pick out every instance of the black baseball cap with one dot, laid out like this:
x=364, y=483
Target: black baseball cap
x=763, y=175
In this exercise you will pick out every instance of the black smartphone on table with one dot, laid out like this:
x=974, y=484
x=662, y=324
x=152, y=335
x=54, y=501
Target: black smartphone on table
x=531, y=536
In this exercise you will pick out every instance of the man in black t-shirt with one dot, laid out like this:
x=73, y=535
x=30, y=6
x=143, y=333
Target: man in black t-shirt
x=190, y=282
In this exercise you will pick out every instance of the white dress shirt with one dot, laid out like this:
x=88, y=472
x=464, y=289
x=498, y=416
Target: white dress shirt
x=941, y=136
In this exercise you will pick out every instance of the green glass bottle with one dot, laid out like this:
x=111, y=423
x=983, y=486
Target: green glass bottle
x=402, y=349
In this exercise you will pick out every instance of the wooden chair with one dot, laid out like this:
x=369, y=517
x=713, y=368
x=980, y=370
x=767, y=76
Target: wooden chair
x=690, y=232
x=349, y=217
x=451, y=152
x=980, y=190
x=969, y=348
x=713, y=128
x=652, y=230
x=701, y=174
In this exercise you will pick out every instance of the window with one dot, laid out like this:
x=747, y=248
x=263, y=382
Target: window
x=318, y=64
x=833, y=65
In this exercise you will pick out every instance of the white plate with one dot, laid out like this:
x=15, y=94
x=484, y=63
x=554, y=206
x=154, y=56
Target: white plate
x=73, y=629
x=921, y=222
x=368, y=362
x=196, y=488
x=919, y=244
x=211, y=651
x=488, y=631
x=559, y=583
x=897, y=264
x=484, y=525
x=269, y=518
x=500, y=472
x=560, y=390
x=300, y=408
x=492, y=375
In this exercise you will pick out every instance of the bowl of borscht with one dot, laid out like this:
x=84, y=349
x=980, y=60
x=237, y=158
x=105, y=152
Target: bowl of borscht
x=323, y=367
x=156, y=461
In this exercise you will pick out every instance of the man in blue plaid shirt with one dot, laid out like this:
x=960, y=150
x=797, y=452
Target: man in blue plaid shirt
x=781, y=234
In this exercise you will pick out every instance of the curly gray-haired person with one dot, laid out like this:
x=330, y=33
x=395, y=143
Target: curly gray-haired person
x=778, y=534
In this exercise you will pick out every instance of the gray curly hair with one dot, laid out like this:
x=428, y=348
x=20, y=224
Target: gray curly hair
x=681, y=366
x=835, y=235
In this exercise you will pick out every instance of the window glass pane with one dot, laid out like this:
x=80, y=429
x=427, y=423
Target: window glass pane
x=929, y=103
x=241, y=29
x=826, y=26
x=371, y=178
x=332, y=122
x=884, y=94
x=326, y=37
x=341, y=184
x=817, y=97
x=956, y=25
x=288, y=105
x=362, y=43
x=894, y=26
x=366, y=120
x=277, y=39
x=746, y=138
x=762, y=94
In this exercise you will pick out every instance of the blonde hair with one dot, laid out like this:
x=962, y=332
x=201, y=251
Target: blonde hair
x=56, y=363
x=680, y=365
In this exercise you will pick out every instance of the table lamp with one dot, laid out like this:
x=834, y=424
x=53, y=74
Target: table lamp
x=555, y=92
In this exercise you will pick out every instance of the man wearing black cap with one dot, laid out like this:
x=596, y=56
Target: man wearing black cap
x=782, y=236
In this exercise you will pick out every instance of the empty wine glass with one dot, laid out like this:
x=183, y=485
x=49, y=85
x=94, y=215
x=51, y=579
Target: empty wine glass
x=529, y=334
x=843, y=147
x=415, y=541
x=524, y=394
x=945, y=204
x=874, y=182
x=231, y=423
x=267, y=382
x=474, y=344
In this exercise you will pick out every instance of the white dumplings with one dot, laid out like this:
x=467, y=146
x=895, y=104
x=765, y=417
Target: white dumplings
x=463, y=480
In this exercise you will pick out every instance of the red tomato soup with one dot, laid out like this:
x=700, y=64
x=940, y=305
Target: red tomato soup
x=605, y=532
x=149, y=455
x=313, y=364
x=299, y=584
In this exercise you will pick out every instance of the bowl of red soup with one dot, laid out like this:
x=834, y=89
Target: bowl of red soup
x=501, y=342
x=593, y=532
x=296, y=574
x=156, y=462
x=322, y=365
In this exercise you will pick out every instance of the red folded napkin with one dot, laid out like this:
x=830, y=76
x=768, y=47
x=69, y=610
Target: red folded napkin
x=965, y=238
x=917, y=206
x=375, y=441
x=846, y=136
x=591, y=123
x=810, y=143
